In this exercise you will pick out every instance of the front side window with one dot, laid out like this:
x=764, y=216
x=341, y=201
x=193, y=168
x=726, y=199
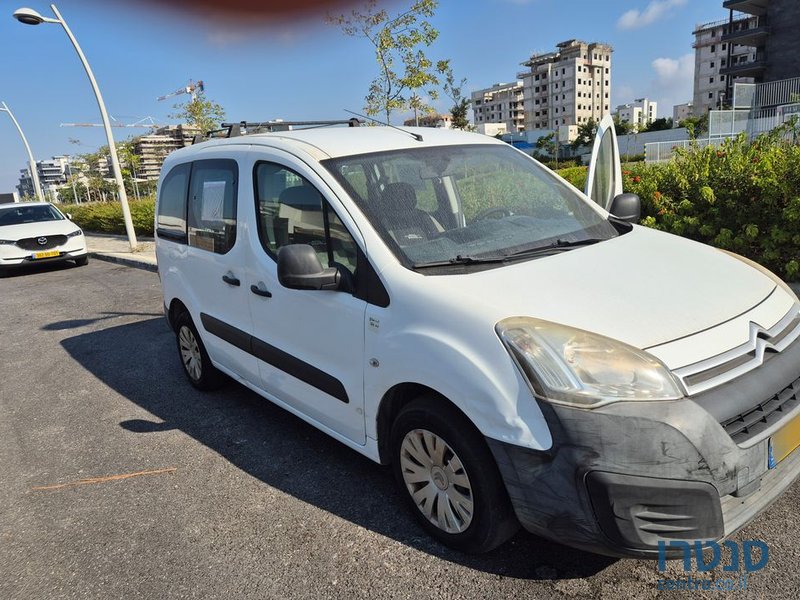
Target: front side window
x=212, y=205
x=486, y=201
x=292, y=211
x=171, y=218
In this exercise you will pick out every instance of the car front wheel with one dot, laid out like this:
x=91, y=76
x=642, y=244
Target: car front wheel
x=450, y=478
x=82, y=261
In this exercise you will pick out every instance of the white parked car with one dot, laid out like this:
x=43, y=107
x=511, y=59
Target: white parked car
x=517, y=350
x=37, y=232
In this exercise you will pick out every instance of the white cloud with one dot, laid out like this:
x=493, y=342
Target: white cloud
x=673, y=82
x=634, y=19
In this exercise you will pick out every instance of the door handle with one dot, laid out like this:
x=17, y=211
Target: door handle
x=259, y=292
x=231, y=280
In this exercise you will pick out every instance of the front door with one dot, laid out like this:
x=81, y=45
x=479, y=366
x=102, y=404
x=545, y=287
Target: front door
x=309, y=344
x=604, y=182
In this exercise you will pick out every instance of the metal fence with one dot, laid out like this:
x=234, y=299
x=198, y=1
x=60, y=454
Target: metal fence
x=664, y=151
x=775, y=93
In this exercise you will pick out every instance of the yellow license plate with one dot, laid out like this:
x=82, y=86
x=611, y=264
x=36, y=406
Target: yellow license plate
x=48, y=254
x=784, y=442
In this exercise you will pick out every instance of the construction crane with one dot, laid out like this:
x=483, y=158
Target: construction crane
x=193, y=88
x=146, y=123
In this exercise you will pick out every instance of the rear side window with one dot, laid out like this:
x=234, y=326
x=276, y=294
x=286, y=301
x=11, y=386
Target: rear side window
x=171, y=220
x=212, y=205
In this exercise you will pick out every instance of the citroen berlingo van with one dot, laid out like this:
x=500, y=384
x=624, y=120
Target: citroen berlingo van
x=520, y=352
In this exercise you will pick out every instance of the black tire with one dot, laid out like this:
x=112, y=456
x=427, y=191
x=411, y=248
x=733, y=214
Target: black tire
x=492, y=520
x=82, y=261
x=197, y=368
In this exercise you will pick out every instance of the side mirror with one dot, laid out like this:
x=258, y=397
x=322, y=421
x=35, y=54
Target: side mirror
x=627, y=207
x=299, y=269
x=69, y=216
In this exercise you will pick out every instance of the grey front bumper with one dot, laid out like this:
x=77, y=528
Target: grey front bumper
x=620, y=478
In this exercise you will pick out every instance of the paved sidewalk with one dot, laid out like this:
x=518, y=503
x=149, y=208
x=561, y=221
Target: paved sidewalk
x=115, y=248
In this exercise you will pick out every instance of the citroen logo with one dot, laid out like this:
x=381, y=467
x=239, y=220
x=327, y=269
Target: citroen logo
x=42, y=241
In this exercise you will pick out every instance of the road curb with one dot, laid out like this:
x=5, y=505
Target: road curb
x=124, y=260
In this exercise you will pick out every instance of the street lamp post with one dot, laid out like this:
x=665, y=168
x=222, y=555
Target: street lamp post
x=29, y=16
x=37, y=187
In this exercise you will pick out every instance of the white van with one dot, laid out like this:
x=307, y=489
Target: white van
x=518, y=351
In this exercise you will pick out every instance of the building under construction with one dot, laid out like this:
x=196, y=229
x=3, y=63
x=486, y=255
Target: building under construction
x=153, y=148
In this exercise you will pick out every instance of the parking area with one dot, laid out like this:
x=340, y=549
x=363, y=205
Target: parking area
x=118, y=479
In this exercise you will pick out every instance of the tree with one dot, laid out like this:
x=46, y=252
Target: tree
x=622, y=127
x=199, y=112
x=547, y=143
x=661, y=124
x=695, y=125
x=586, y=133
x=405, y=73
x=454, y=91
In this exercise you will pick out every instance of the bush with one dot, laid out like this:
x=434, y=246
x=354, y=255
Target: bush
x=575, y=175
x=106, y=217
x=742, y=196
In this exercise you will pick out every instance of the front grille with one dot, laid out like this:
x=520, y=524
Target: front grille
x=53, y=241
x=763, y=346
x=749, y=424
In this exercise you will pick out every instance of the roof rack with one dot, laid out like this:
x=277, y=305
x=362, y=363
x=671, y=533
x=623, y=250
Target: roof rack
x=230, y=130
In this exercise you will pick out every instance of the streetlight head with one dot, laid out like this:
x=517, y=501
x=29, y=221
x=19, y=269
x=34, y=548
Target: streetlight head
x=28, y=16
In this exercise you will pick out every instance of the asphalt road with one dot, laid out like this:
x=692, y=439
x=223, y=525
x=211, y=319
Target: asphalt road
x=238, y=499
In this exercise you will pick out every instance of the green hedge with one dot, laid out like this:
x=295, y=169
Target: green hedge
x=743, y=196
x=106, y=217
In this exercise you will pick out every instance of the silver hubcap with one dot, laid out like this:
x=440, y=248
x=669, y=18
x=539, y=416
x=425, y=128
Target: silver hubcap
x=436, y=480
x=190, y=353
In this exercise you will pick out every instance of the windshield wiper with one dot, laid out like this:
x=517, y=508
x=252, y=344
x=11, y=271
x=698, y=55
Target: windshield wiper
x=554, y=247
x=460, y=260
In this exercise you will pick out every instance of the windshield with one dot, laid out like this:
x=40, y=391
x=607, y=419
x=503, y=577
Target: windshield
x=464, y=203
x=17, y=215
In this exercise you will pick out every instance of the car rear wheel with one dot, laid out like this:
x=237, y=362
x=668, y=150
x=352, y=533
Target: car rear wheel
x=82, y=261
x=449, y=477
x=194, y=358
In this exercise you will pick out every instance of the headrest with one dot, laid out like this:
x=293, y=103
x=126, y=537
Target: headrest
x=301, y=197
x=399, y=197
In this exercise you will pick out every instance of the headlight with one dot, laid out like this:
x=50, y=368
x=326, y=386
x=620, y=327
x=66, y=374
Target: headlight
x=579, y=368
x=765, y=271
x=75, y=234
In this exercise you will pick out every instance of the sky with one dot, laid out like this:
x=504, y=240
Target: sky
x=299, y=69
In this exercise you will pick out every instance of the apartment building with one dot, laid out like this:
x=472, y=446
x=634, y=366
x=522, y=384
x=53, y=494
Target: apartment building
x=639, y=113
x=771, y=29
x=567, y=87
x=757, y=43
x=712, y=56
x=433, y=120
x=502, y=104
x=154, y=147
x=681, y=112
x=53, y=173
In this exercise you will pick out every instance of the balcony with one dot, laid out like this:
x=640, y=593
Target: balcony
x=754, y=68
x=755, y=35
x=751, y=7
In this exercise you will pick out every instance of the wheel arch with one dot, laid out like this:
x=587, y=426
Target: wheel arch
x=176, y=307
x=393, y=401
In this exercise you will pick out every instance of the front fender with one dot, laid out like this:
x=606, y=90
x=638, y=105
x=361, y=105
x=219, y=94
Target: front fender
x=486, y=387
